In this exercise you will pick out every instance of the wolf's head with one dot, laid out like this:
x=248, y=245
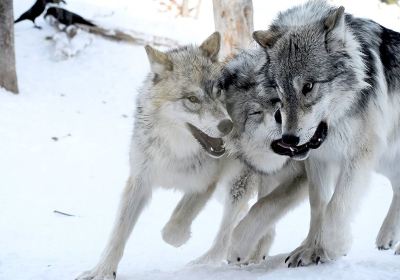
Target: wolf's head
x=254, y=112
x=185, y=96
x=315, y=67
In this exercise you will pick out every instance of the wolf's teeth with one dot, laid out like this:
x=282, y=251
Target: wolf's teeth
x=212, y=149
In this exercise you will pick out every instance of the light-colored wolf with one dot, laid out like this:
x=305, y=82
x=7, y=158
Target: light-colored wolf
x=338, y=79
x=179, y=124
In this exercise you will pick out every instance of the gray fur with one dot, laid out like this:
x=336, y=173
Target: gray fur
x=239, y=187
x=252, y=166
x=353, y=65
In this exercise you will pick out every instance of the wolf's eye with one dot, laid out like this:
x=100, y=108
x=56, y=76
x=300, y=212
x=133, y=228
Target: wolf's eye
x=255, y=113
x=307, y=88
x=193, y=99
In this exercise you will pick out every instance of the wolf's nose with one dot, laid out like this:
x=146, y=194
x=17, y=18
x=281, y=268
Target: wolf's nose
x=290, y=140
x=225, y=126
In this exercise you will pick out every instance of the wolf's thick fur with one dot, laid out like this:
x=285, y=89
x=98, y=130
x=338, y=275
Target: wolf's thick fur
x=251, y=165
x=330, y=67
x=178, y=102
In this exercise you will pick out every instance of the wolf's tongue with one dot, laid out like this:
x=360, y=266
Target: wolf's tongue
x=285, y=146
x=282, y=149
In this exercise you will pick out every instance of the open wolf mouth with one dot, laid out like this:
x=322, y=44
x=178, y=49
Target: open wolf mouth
x=213, y=146
x=292, y=151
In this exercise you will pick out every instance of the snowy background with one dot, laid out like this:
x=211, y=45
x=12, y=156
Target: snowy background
x=64, y=146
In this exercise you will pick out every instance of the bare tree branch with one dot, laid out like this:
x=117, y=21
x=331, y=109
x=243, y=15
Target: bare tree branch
x=128, y=36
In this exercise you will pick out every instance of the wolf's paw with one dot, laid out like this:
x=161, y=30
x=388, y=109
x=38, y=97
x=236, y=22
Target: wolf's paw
x=97, y=275
x=305, y=255
x=257, y=258
x=175, y=234
x=387, y=238
x=238, y=256
x=242, y=244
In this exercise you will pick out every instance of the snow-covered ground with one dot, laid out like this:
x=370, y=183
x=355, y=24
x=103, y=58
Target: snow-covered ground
x=64, y=146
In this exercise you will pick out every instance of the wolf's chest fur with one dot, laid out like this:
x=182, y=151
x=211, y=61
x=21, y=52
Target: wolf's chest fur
x=173, y=158
x=193, y=173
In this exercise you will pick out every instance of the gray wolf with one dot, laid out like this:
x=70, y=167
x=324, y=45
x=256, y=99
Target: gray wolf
x=179, y=124
x=251, y=166
x=338, y=80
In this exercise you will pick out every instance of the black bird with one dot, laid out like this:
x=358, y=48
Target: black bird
x=66, y=17
x=36, y=10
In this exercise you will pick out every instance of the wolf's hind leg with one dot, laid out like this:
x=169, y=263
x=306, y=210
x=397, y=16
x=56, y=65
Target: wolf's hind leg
x=177, y=231
x=389, y=234
x=134, y=198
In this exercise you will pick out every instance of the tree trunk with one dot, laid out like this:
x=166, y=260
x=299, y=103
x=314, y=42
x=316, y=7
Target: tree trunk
x=185, y=8
x=234, y=20
x=8, y=75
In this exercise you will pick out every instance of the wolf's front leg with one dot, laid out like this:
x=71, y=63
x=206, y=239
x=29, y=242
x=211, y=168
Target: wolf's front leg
x=263, y=216
x=240, y=186
x=135, y=196
x=218, y=251
x=177, y=231
x=264, y=245
x=321, y=177
x=330, y=236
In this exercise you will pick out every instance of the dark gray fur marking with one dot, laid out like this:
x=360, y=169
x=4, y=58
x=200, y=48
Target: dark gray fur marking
x=239, y=187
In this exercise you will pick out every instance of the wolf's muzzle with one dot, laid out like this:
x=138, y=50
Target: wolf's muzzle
x=282, y=147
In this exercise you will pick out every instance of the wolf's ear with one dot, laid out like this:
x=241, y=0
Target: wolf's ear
x=210, y=47
x=335, y=24
x=266, y=38
x=159, y=61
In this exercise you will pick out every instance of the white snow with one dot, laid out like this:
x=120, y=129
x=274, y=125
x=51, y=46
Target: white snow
x=87, y=102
